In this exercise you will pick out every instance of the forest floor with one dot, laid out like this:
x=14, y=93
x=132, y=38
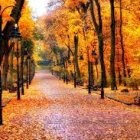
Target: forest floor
x=123, y=97
x=52, y=110
x=123, y=94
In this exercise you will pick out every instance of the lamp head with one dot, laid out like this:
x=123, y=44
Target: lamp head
x=16, y=26
x=15, y=32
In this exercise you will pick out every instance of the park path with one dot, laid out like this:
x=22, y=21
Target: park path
x=52, y=110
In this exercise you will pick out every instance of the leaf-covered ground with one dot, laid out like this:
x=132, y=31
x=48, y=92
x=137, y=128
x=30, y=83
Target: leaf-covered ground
x=52, y=110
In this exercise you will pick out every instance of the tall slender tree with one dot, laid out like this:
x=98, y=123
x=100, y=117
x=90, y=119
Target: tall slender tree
x=122, y=44
x=112, y=56
x=4, y=47
x=99, y=31
x=76, y=42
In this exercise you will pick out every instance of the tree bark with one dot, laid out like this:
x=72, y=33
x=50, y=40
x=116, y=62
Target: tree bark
x=97, y=73
x=15, y=14
x=119, y=76
x=6, y=66
x=98, y=29
x=122, y=45
x=112, y=56
x=76, y=40
x=11, y=69
x=22, y=70
x=92, y=73
x=5, y=70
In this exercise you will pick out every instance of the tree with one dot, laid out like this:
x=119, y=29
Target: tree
x=4, y=47
x=84, y=17
x=99, y=32
x=26, y=26
x=122, y=44
x=112, y=56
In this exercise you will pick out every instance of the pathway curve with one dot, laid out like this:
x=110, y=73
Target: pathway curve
x=52, y=110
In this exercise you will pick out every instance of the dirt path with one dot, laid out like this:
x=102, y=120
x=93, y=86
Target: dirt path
x=53, y=110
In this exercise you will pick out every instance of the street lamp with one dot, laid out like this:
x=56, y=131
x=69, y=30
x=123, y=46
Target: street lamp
x=94, y=54
x=89, y=74
x=1, y=13
x=75, y=74
x=32, y=63
x=23, y=53
x=64, y=78
x=65, y=63
x=28, y=71
x=15, y=36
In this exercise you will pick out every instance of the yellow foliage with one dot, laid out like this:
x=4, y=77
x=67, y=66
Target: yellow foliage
x=6, y=13
x=26, y=23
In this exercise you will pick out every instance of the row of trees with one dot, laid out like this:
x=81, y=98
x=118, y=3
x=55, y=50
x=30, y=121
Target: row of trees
x=104, y=32
x=16, y=56
x=20, y=14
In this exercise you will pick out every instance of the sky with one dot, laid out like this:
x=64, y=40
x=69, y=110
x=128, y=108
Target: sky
x=38, y=6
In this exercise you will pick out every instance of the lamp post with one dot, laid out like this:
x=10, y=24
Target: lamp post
x=102, y=82
x=89, y=76
x=32, y=66
x=23, y=53
x=75, y=79
x=64, y=73
x=75, y=74
x=65, y=63
x=1, y=13
x=28, y=72
x=15, y=36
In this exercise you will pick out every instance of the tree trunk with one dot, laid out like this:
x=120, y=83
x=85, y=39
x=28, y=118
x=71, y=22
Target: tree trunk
x=22, y=71
x=119, y=76
x=6, y=64
x=11, y=69
x=27, y=73
x=103, y=71
x=76, y=40
x=112, y=56
x=89, y=73
x=122, y=45
x=5, y=70
x=98, y=29
x=92, y=73
x=69, y=50
x=15, y=14
x=97, y=73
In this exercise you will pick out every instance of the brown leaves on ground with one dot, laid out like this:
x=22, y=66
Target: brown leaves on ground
x=53, y=110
